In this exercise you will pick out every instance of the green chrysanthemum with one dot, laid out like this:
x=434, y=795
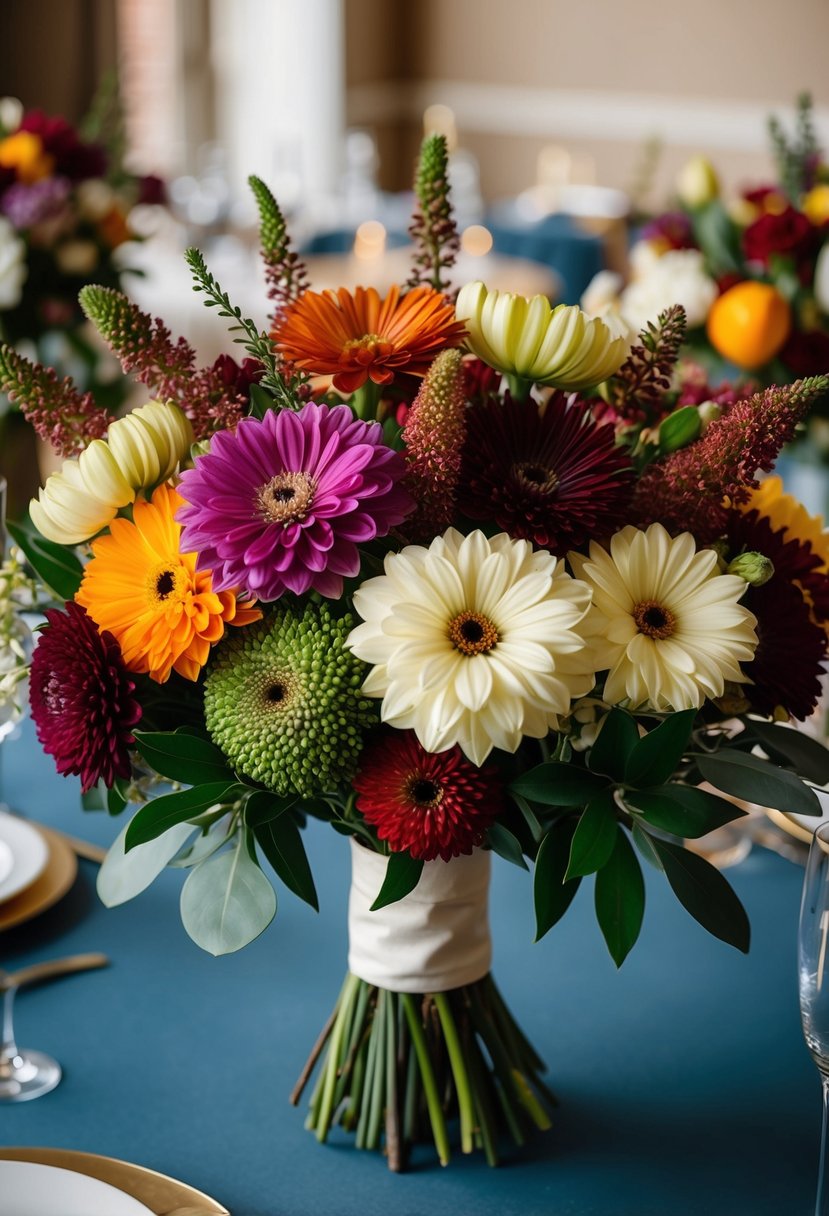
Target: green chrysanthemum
x=283, y=701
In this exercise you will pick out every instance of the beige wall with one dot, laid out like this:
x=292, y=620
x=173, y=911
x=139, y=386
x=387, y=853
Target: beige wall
x=595, y=76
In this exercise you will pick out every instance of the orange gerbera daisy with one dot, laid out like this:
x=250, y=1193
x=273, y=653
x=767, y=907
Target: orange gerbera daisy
x=359, y=337
x=143, y=590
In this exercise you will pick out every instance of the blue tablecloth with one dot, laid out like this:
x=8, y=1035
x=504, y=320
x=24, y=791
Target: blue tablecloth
x=684, y=1082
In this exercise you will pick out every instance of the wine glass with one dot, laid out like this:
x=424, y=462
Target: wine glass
x=813, y=968
x=24, y=1074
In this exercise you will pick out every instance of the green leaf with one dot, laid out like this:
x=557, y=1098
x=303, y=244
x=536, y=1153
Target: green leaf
x=793, y=748
x=759, y=781
x=702, y=891
x=95, y=798
x=555, y=784
x=683, y=810
x=124, y=875
x=718, y=237
x=551, y=894
x=503, y=842
x=183, y=757
x=261, y=401
x=281, y=842
x=679, y=429
x=58, y=567
x=262, y=806
x=644, y=843
x=159, y=814
x=620, y=899
x=227, y=901
x=614, y=744
x=595, y=836
x=530, y=817
x=402, y=876
x=117, y=796
x=656, y=756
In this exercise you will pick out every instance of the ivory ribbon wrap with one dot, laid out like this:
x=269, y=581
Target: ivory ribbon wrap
x=435, y=939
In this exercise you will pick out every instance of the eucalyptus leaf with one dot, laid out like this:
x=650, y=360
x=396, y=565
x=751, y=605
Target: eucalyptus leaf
x=551, y=894
x=182, y=756
x=159, y=814
x=620, y=899
x=794, y=748
x=595, y=836
x=683, y=810
x=760, y=781
x=617, y=737
x=506, y=844
x=556, y=784
x=281, y=842
x=702, y=891
x=402, y=876
x=655, y=757
x=124, y=875
x=227, y=901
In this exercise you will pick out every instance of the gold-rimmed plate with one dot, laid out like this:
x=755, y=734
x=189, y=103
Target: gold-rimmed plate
x=802, y=827
x=52, y=884
x=162, y=1195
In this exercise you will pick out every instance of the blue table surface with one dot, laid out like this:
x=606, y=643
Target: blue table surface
x=684, y=1082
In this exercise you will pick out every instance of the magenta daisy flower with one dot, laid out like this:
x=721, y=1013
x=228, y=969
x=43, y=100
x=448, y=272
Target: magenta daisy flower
x=428, y=805
x=81, y=698
x=282, y=503
x=551, y=475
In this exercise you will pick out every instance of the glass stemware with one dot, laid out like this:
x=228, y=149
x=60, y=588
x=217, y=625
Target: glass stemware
x=24, y=1074
x=813, y=967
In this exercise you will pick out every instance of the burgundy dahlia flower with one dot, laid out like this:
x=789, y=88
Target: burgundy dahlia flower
x=81, y=698
x=282, y=503
x=428, y=805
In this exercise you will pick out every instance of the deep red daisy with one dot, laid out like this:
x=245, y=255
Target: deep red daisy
x=81, y=698
x=795, y=562
x=428, y=805
x=552, y=476
x=790, y=651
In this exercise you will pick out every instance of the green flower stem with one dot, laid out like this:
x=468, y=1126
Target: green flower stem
x=512, y=1030
x=479, y=1085
x=378, y=1086
x=352, y=1113
x=456, y=1060
x=412, y=1098
x=394, y=1151
x=354, y=1041
x=519, y=388
x=361, y=1139
x=365, y=401
x=505, y=1087
x=530, y=1102
x=436, y=1118
x=323, y=1120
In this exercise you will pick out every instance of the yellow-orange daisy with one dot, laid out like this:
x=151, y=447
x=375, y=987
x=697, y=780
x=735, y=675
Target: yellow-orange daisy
x=162, y=611
x=789, y=515
x=359, y=337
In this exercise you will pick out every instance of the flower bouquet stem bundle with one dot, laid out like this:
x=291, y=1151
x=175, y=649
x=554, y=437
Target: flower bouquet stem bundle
x=524, y=604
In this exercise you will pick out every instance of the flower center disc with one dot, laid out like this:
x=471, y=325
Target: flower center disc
x=472, y=633
x=286, y=497
x=364, y=351
x=277, y=692
x=164, y=583
x=424, y=792
x=535, y=476
x=654, y=620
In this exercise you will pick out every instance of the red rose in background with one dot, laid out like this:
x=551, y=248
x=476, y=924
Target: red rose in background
x=73, y=159
x=807, y=354
x=788, y=233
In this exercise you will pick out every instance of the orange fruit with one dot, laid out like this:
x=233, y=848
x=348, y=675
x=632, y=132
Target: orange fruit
x=749, y=323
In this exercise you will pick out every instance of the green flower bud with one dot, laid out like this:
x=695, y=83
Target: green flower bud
x=755, y=568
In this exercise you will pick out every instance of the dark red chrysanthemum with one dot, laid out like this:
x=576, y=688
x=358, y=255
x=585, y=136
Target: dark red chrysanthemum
x=427, y=805
x=81, y=698
x=787, y=232
x=73, y=158
x=795, y=562
x=554, y=477
x=790, y=651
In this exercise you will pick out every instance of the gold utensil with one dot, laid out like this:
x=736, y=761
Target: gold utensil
x=38, y=972
x=85, y=848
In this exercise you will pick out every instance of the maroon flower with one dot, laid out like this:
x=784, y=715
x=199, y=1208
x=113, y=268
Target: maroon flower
x=788, y=233
x=238, y=378
x=807, y=354
x=151, y=190
x=673, y=230
x=73, y=158
x=791, y=648
x=427, y=805
x=764, y=197
x=81, y=698
x=480, y=381
x=555, y=477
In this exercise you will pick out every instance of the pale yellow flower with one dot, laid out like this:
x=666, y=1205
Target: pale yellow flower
x=664, y=624
x=140, y=451
x=531, y=341
x=697, y=182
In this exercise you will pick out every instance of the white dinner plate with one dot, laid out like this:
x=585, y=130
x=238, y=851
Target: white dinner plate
x=29, y=851
x=6, y=860
x=802, y=826
x=44, y=1190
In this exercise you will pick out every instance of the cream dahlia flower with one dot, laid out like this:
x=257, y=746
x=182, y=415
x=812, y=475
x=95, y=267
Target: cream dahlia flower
x=664, y=623
x=140, y=451
x=473, y=641
x=529, y=340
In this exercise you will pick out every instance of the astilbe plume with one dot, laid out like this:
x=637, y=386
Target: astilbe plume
x=643, y=379
x=685, y=492
x=434, y=436
x=59, y=414
x=433, y=226
x=147, y=351
x=285, y=272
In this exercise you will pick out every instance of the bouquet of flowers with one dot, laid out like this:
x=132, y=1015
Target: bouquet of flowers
x=450, y=604
x=65, y=200
x=753, y=275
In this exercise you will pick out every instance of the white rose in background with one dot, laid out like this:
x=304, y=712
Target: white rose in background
x=821, y=285
x=13, y=269
x=677, y=277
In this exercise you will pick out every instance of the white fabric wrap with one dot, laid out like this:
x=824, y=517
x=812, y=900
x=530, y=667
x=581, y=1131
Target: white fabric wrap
x=433, y=940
